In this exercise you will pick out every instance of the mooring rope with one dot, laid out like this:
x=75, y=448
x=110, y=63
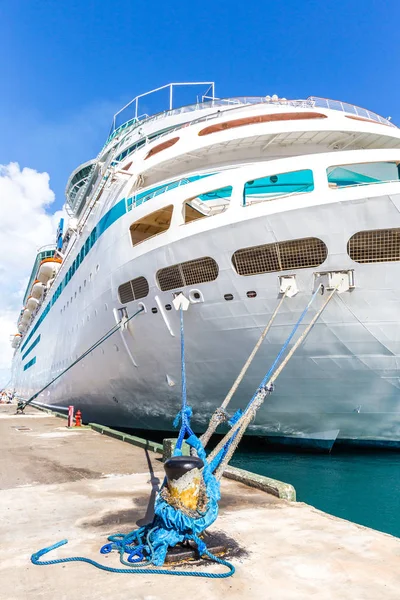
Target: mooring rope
x=220, y=415
x=22, y=404
x=227, y=449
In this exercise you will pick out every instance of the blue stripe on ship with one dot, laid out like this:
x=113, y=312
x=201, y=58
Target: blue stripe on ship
x=31, y=347
x=30, y=363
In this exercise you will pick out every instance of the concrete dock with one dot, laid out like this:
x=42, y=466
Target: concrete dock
x=77, y=484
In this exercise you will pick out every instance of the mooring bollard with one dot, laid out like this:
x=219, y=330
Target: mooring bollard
x=70, y=416
x=184, y=479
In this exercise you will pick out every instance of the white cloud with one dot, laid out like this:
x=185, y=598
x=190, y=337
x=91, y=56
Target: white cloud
x=26, y=223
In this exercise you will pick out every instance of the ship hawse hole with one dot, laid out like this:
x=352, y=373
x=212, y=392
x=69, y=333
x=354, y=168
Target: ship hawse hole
x=133, y=290
x=280, y=256
x=192, y=272
x=377, y=245
x=153, y=224
x=260, y=119
x=161, y=147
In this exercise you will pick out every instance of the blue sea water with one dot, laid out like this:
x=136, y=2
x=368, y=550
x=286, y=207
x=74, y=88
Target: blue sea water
x=360, y=487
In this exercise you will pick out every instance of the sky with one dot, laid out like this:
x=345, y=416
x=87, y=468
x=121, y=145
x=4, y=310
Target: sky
x=68, y=66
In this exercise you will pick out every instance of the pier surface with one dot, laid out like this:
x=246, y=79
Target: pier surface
x=77, y=484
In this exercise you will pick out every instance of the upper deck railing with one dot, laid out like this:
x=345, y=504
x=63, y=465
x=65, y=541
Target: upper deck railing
x=210, y=101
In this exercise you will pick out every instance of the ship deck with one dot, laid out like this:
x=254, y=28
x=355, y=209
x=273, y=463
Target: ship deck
x=58, y=483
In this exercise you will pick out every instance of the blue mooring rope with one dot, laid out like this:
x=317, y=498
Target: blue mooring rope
x=35, y=559
x=169, y=524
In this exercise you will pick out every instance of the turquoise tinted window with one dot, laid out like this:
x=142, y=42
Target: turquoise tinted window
x=219, y=194
x=265, y=188
x=362, y=174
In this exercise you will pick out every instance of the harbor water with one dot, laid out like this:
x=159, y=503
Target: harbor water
x=363, y=487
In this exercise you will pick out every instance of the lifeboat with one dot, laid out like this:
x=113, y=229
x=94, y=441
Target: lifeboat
x=48, y=268
x=32, y=303
x=22, y=327
x=26, y=316
x=37, y=289
x=16, y=340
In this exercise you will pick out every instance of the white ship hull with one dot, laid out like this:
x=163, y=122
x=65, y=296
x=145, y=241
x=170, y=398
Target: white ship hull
x=343, y=383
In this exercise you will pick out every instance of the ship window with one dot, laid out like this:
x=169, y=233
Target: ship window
x=207, y=204
x=87, y=246
x=153, y=224
x=267, y=188
x=280, y=256
x=362, y=174
x=191, y=272
x=133, y=290
x=82, y=253
x=261, y=119
x=377, y=245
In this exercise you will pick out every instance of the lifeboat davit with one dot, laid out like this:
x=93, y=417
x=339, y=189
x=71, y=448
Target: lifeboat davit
x=48, y=268
x=16, y=340
x=37, y=289
x=32, y=303
x=26, y=316
x=22, y=327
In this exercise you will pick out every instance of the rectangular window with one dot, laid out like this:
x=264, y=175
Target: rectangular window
x=362, y=174
x=82, y=254
x=153, y=224
x=87, y=246
x=207, y=204
x=281, y=184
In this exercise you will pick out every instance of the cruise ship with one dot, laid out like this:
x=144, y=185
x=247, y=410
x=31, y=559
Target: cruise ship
x=229, y=201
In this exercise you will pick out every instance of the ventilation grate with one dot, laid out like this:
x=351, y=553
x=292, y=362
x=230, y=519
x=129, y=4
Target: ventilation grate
x=133, y=290
x=378, y=245
x=280, y=256
x=191, y=272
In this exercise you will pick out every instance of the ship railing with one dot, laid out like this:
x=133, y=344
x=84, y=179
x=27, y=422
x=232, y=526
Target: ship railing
x=46, y=248
x=351, y=109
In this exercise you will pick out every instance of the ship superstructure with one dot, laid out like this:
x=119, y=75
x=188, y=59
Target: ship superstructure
x=226, y=200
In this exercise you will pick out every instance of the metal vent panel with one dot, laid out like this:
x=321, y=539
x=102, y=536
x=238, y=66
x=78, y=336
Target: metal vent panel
x=191, y=272
x=125, y=293
x=280, y=256
x=378, y=245
x=140, y=287
x=133, y=290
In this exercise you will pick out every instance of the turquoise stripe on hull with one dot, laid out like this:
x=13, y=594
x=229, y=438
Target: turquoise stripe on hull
x=31, y=347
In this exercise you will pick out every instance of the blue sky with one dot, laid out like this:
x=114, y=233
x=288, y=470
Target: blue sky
x=67, y=66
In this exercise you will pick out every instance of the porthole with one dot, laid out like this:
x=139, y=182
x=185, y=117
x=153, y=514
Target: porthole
x=168, y=307
x=84, y=283
x=116, y=348
x=80, y=289
x=88, y=318
x=251, y=294
x=97, y=268
x=95, y=312
x=90, y=277
x=228, y=297
x=154, y=310
x=106, y=307
x=67, y=304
